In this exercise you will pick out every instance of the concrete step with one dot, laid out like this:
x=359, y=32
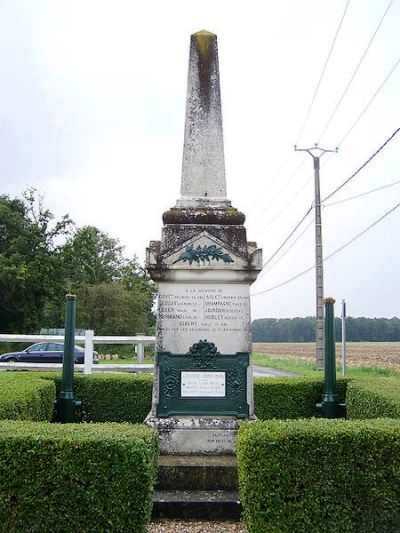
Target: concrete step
x=197, y=504
x=197, y=472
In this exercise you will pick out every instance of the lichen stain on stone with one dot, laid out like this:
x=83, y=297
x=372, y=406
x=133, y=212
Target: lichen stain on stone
x=205, y=45
x=204, y=39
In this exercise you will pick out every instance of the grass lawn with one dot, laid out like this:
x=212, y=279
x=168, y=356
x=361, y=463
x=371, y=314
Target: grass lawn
x=147, y=360
x=307, y=368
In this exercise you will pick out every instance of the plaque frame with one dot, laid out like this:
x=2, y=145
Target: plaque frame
x=170, y=401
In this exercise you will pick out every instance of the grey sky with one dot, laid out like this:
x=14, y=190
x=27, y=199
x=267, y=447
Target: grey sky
x=92, y=114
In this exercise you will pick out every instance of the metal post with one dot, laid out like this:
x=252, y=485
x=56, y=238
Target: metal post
x=88, y=363
x=343, y=338
x=66, y=403
x=330, y=407
x=319, y=269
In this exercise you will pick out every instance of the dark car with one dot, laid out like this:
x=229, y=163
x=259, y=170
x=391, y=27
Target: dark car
x=45, y=352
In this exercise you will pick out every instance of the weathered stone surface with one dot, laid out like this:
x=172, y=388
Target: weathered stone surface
x=203, y=166
x=207, y=214
x=208, y=505
x=196, y=435
x=204, y=267
x=197, y=472
x=192, y=311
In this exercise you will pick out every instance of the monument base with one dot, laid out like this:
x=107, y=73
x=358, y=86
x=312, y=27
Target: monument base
x=189, y=435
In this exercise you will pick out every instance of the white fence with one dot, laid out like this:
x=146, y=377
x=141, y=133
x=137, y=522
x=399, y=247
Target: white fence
x=89, y=340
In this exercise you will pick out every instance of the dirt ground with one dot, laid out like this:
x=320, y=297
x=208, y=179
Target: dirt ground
x=171, y=526
x=382, y=354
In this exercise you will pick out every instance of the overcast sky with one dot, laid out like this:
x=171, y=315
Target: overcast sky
x=92, y=114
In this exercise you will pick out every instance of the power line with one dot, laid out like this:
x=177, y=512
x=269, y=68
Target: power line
x=330, y=195
x=363, y=194
x=323, y=71
x=274, y=217
x=370, y=101
x=281, y=167
x=332, y=254
x=288, y=237
x=285, y=184
x=287, y=249
x=356, y=69
x=363, y=165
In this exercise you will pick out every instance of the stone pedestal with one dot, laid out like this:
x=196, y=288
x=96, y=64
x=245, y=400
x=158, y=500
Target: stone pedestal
x=203, y=266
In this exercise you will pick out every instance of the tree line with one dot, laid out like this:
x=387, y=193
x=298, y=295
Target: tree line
x=42, y=259
x=302, y=329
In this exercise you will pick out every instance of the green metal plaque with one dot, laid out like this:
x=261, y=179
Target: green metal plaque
x=203, y=382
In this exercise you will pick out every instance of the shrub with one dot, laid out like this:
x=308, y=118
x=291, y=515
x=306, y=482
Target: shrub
x=26, y=397
x=373, y=398
x=76, y=477
x=113, y=397
x=290, y=397
x=320, y=475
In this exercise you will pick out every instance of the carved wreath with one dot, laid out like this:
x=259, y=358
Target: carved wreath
x=203, y=254
x=203, y=354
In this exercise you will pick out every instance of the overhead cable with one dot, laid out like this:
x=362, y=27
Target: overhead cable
x=287, y=249
x=363, y=165
x=363, y=194
x=370, y=101
x=288, y=237
x=275, y=197
x=282, y=166
x=323, y=71
x=330, y=255
x=356, y=70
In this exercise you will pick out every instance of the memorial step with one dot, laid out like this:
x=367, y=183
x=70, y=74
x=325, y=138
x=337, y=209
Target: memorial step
x=197, y=472
x=200, y=504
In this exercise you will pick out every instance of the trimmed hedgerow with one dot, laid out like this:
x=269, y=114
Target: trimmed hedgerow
x=114, y=397
x=320, y=475
x=76, y=477
x=373, y=398
x=26, y=397
x=290, y=397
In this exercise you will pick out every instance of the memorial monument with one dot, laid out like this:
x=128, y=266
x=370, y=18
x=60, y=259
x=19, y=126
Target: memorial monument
x=204, y=267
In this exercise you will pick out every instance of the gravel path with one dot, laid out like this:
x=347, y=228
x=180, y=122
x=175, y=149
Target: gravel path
x=177, y=526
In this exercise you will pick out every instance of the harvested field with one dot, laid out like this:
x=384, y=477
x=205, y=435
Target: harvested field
x=382, y=354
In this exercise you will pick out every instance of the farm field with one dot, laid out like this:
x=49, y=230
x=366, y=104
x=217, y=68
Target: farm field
x=359, y=354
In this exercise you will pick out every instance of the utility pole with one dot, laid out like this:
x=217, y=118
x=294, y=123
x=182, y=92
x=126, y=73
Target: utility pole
x=319, y=269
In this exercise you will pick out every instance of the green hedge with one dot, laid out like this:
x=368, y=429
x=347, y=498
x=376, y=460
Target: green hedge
x=26, y=397
x=127, y=397
x=114, y=397
x=320, y=475
x=373, y=398
x=76, y=477
x=290, y=397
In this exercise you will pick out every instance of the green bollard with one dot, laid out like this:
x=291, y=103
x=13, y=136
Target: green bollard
x=66, y=404
x=330, y=406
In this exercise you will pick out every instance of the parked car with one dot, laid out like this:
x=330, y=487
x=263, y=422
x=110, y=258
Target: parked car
x=45, y=352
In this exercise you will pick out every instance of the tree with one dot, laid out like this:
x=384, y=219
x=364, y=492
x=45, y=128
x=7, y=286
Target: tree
x=30, y=261
x=301, y=329
x=92, y=257
x=111, y=309
x=114, y=294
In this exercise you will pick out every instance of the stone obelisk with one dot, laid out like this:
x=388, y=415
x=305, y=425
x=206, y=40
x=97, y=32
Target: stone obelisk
x=204, y=267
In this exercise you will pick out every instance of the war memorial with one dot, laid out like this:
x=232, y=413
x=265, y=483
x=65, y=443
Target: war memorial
x=204, y=266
